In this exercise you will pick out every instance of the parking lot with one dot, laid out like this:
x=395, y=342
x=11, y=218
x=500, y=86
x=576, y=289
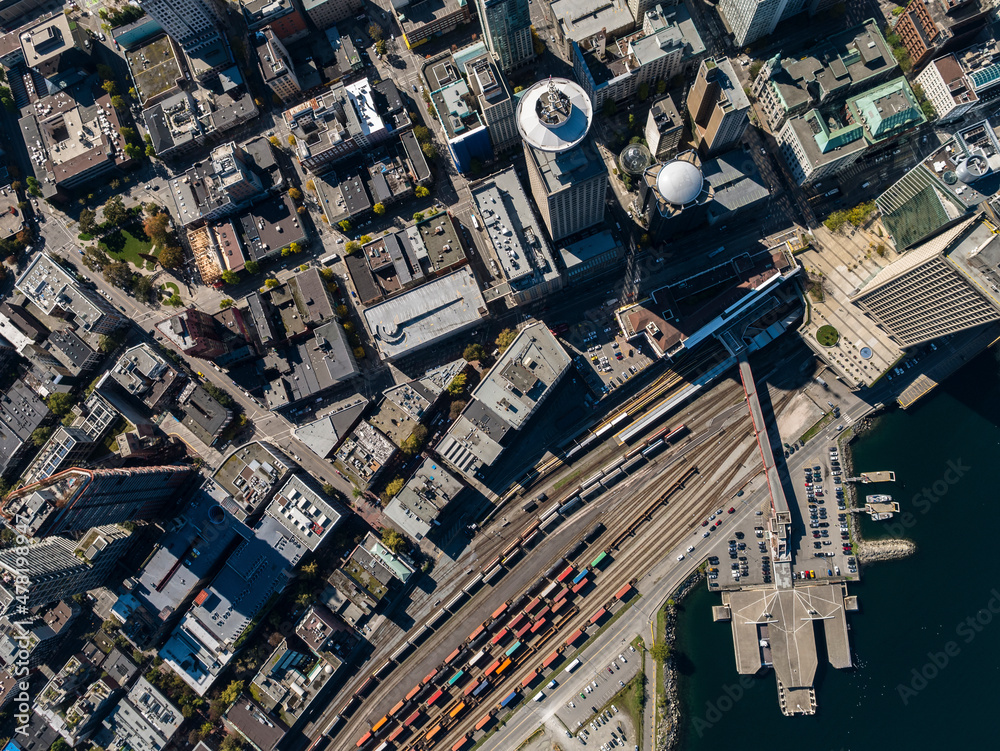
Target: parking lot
x=602, y=682
x=605, y=360
x=748, y=561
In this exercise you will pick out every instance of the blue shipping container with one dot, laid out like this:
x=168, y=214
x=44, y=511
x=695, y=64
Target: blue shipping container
x=580, y=577
x=481, y=687
x=509, y=699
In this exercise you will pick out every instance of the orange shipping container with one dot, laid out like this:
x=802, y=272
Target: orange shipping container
x=432, y=732
x=484, y=722
x=396, y=708
x=550, y=659
x=456, y=710
x=378, y=725
x=490, y=669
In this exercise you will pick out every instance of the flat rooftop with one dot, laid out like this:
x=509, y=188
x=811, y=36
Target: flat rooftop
x=303, y=512
x=426, y=314
x=580, y=19
x=155, y=68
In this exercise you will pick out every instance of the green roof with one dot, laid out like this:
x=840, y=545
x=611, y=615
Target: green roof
x=887, y=109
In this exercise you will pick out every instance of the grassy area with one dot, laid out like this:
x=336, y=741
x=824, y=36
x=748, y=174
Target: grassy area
x=170, y=288
x=821, y=423
x=126, y=244
x=567, y=480
x=827, y=335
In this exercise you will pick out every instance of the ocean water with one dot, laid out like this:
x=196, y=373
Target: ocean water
x=926, y=641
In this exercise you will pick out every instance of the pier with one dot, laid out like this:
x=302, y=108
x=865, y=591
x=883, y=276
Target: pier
x=869, y=477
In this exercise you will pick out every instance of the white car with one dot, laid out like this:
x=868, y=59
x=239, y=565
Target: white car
x=680, y=557
x=690, y=548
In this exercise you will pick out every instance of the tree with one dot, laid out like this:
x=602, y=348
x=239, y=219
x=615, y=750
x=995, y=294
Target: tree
x=230, y=277
x=418, y=216
x=225, y=302
x=380, y=47
x=310, y=185
x=456, y=409
x=156, y=227
x=506, y=338
x=40, y=435
x=231, y=692
x=115, y=212
x=379, y=209
x=232, y=742
x=421, y=133
x=134, y=152
x=660, y=652
x=421, y=192
x=359, y=353
x=330, y=490
x=754, y=69
x=474, y=352
x=390, y=537
x=295, y=194
x=271, y=283
x=274, y=141
x=415, y=441
x=291, y=140
x=294, y=248
x=375, y=32
x=174, y=301
x=391, y=490
x=365, y=239
x=60, y=745
x=352, y=247
x=661, y=86
x=171, y=257
x=252, y=267
x=345, y=226
x=88, y=221
x=59, y=403
x=643, y=92
x=457, y=385
x=118, y=274
x=430, y=150
x=33, y=187
x=119, y=103
x=110, y=86
x=105, y=72
x=142, y=288
x=108, y=344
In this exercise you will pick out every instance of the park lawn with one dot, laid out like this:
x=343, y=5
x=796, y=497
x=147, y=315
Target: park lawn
x=126, y=244
x=170, y=288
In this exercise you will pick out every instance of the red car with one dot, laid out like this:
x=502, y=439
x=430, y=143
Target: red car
x=705, y=523
x=732, y=510
x=718, y=523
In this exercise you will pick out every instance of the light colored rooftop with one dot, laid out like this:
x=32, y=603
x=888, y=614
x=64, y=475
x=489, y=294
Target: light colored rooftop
x=554, y=114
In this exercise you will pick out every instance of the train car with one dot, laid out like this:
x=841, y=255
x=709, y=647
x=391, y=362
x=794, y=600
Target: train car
x=555, y=568
x=556, y=607
x=504, y=665
x=499, y=636
x=571, y=504
x=432, y=732
x=457, y=710
x=395, y=734
x=429, y=677
x=455, y=678
x=598, y=615
x=579, y=586
x=470, y=688
x=594, y=532
x=383, y=746
x=481, y=688
x=477, y=657
x=523, y=630
x=543, y=612
x=320, y=743
x=547, y=662
x=538, y=625
x=484, y=721
x=580, y=577
x=577, y=550
x=508, y=700
x=434, y=697
x=396, y=707
x=378, y=725
x=363, y=739
x=549, y=590
x=599, y=559
x=452, y=656
x=527, y=680
x=476, y=633
x=512, y=649
x=562, y=593
x=573, y=637
x=499, y=611
x=532, y=605
x=411, y=719
x=567, y=572
x=413, y=692
x=623, y=592
x=489, y=671
x=365, y=687
x=516, y=621
x=460, y=744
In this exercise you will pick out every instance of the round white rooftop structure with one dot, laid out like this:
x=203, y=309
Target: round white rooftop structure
x=679, y=182
x=554, y=114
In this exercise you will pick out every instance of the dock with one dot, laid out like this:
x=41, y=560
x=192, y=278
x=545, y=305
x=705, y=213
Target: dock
x=869, y=477
x=880, y=507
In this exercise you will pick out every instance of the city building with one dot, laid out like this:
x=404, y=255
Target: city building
x=326, y=635
x=251, y=475
x=144, y=720
x=21, y=413
x=593, y=256
x=190, y=23
x=70, y=144
x=664, y=127
x=325, y=13
x=77, y=499
x=673, y=196
x=963, y=82
x=281, y=16
x=76, y=698
x=928, y=30
x=843, y=64
x=56, y=49
x=72, y=445
x=718, y=106
x=347, y=58
x=426, y=315
x=304, y=512
x=306, y=369
x=289, y=680
x=276, y=65
x=667, y=45
x=823, y=142
x=416, y=507
x=522, y=378
x=202, y=413
x=377, y=569
x=58, y=568
x=270, y=226
x=750, y=20
x=14, y=11
x=567, y=176
x=30, y=640
x=249, y=720
x=390, y=264
x=193, y=333
x=325, y=434
x=140, y=371
x=944, y=285
x=430, y=18
x=364, y=454
x=952, y=181
x=507, y=31
x=344, y=120
x=520, y=251
x=576, y=20
x=217, y=187
x=465, y=133
x=493, y=97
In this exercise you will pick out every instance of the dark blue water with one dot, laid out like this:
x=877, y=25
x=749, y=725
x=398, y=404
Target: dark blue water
x=926, y=642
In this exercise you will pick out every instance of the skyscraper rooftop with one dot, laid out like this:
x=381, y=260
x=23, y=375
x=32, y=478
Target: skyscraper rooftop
x=554, y=115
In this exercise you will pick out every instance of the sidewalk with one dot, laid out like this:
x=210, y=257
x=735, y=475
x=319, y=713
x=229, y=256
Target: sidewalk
x=649, y=710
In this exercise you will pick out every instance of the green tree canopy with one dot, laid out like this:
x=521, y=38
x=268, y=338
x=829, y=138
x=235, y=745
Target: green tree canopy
x=118, y=274
x=171, y=257
x=506, y=338
x=390, y=537
x=457, y=385
x=252, y=267
x=474, y=352
x=115, y=212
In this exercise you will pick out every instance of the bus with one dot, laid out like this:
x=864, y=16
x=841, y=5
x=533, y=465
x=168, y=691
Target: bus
x=572, y=666
x=329, y=260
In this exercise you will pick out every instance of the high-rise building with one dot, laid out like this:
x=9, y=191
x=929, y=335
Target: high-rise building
x=276, y=65
x=78, y=499
x=719, y=108
x=940, y=287
x=567, y=176
x=190, y=23
x=58, y=568
x=664, y=127
x=931, y=29
x=749, y=20
x=507, y=31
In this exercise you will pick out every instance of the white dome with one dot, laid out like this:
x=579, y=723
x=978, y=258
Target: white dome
x=554, y=114
x=679, y=182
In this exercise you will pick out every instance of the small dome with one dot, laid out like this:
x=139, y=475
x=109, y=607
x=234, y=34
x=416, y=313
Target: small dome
x=679, y=182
